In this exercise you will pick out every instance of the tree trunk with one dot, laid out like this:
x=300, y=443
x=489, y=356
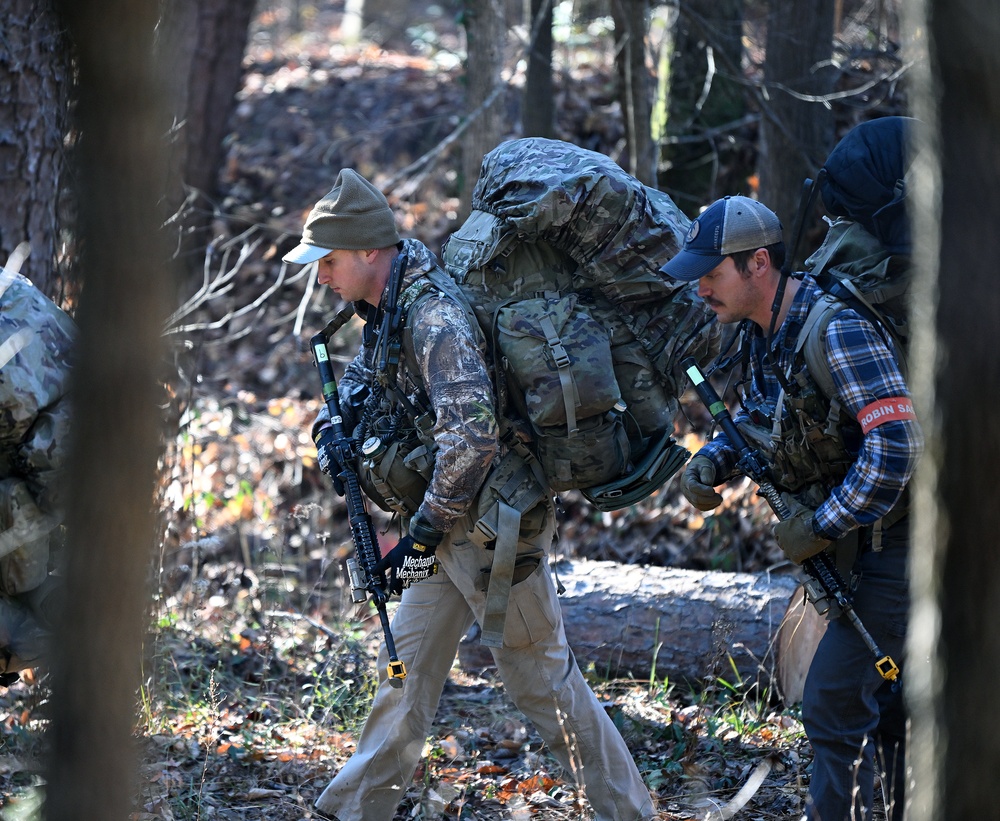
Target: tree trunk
x=485, y=30
x=35, y=82
x=113, y=455
x=622, y=618
x=705, y=92
x=538, y=109
x=384, y=22
x=795, y=134
x=204, y=40
x=954, y=650
x=630, y=17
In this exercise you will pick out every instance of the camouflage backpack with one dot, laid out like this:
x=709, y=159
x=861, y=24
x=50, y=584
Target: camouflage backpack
x=559, y=264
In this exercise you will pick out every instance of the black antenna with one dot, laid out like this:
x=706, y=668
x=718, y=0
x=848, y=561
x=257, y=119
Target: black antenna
x=807, y=199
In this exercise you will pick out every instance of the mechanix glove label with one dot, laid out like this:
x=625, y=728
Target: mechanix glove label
x=416, y=568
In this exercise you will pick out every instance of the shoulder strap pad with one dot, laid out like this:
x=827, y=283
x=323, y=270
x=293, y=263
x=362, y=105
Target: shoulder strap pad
x=812, y=340
x=446, y=285
x=812, y=337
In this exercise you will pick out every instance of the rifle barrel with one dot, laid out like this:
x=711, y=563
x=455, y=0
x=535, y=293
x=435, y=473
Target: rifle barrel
x=821, y=566
x=362, y=527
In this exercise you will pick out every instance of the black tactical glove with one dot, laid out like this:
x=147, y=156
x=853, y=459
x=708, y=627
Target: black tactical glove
x=698, y=484
x=412, y=559
x=327, y=457
x=796, y=534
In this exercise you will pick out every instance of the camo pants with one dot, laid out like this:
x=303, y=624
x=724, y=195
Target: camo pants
x=539, y=673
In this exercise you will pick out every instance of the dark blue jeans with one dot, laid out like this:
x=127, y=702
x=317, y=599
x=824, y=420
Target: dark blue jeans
x=852, y=716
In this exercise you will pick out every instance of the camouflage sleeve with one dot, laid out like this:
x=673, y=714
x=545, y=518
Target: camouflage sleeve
x=456, y=379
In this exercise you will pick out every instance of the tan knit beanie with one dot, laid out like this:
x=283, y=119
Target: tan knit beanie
x=354, y=216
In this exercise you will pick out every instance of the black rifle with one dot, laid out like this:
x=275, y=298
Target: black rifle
x=388, y=336
x=365, y=581
x=824, y=585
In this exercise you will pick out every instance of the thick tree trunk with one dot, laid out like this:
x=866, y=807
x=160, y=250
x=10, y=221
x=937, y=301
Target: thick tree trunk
x=622, y=618
x=35, y=79
x=631, y=22
x=698, y=164
x=538, y=109
x=204, y=41
x=954, y=650
x=795, y=133
x=116, y=425
x=486, y=30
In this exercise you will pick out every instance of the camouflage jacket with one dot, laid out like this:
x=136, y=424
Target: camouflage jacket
x=444, y=366
x=37, y=341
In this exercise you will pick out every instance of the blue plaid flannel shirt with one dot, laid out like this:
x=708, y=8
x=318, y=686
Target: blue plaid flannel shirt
x=864, y=369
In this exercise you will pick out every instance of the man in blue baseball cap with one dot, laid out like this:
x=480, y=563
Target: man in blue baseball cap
x=842, y=456
x=727, y=226
x=724, y=237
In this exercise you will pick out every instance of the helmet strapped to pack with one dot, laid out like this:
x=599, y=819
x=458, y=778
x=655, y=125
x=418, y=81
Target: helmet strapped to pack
x=864, y=180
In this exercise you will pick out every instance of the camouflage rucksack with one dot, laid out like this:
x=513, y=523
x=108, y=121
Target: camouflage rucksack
x=559, y=263
x=38, y=345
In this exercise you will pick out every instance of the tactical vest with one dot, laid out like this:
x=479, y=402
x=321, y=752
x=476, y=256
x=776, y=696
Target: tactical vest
x=394, y=437
x=808, y=441
x=806, y=447
x=395, y=434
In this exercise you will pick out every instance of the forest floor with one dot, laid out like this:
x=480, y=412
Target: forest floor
x=259, y=670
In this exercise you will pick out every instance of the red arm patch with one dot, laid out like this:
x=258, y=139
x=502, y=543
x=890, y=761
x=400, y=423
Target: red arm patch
x=885, y=410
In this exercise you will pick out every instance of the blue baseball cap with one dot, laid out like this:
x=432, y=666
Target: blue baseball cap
x=727, y=226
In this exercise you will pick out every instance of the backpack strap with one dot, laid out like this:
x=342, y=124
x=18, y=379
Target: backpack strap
x=562, y=362
x=518, y=488
x=813, y=334
x=811, y=343
x=812, y=337
x=501, y=575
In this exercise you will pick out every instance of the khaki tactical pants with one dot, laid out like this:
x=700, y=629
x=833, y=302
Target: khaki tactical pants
x=538, y=670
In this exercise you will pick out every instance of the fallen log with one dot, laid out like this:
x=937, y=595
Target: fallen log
x=693, y=626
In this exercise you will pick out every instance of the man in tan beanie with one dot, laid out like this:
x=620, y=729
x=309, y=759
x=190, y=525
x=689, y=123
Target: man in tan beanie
x=439, y=396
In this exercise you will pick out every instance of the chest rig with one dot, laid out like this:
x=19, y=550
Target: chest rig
x=808, y=442
x=394, y=435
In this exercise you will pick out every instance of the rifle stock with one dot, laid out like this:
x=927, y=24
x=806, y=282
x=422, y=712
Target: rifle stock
x=825, y=585
x=365, y=581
